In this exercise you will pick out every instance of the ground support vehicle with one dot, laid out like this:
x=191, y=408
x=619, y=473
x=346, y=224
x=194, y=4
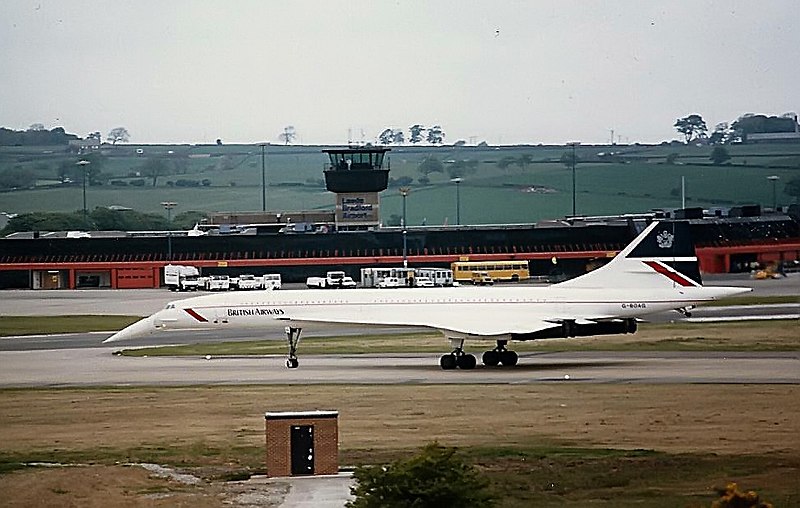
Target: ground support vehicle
x=508, y=270
x=218, y=283
x=423, y=282
x=373, y=277
x=482, y=279
x=332, y=280
x=391, y=282
x=181, y=278
x=271, y=281
x=247, y=282
x=439, y=276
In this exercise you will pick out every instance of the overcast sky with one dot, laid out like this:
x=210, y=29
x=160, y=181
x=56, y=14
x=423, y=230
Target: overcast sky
x=501, y=71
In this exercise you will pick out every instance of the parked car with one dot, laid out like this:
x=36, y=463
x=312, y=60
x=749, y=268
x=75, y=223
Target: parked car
x=423, y=282
x=391, y=282
x=482, y=279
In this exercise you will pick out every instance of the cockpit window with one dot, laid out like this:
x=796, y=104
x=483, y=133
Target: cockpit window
x=170, y=306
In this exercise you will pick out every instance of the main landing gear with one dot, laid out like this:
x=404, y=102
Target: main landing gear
x=499, y=355
x=458, y=358
x=465, y=361
x=292, y=337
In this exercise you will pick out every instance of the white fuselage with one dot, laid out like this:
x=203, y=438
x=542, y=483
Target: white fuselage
x=458, y=312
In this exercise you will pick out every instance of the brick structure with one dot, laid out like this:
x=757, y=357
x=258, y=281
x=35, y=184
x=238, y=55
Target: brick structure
x=302, y=443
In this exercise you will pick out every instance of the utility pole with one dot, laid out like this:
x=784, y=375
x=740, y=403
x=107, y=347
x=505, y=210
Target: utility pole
x=404, y=192
x=263, y=177
x=168, y=206
x=83, y=164
x=573, y=145
x=458, y=181
x=774, y=179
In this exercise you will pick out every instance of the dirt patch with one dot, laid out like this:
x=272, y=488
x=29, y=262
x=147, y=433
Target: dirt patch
x=222, y=423
x=209, y=430
x=102, y=486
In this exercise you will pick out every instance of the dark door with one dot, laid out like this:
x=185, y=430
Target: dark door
x=302, y=443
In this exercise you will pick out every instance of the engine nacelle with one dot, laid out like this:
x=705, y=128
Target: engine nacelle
x=572, y=329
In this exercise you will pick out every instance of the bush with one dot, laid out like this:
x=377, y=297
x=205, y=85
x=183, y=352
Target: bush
x=732, y=497
x=435, y=477
x=137, y=183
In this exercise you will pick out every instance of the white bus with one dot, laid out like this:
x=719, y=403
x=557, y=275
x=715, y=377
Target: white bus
x=439, y=276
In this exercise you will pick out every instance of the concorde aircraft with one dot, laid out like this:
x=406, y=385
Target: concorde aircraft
x=656, y=272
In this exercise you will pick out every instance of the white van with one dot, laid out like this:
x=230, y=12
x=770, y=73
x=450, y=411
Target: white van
x=272, y=281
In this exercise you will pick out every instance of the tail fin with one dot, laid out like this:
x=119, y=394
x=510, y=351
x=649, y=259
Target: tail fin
x=662, y=254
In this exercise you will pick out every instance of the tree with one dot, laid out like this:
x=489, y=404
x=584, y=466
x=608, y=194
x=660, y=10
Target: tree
x=430, y=165
x=118, y=134
x=566, y=159
x=386, y=137
x=153, y=168
x=94, y=170
x=36, y=127
x=461, y=168
x=756, y=124
x=692, y=126
x=720, y=155
x=416, y=133
x=96, y=136
x=523, y=161
x=434, y=478
x=505, y=162
x=288, y=134
x=17, y=178
x=399, y=137
x=721, y=134
x=435, y=135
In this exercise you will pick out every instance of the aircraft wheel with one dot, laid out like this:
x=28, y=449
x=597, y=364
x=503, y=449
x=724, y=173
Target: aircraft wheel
x=466, y=362
x=508, y=358
x=448, y=362
x=491, y=358
x=292, y=363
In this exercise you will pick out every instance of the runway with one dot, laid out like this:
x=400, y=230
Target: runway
x=99, y=367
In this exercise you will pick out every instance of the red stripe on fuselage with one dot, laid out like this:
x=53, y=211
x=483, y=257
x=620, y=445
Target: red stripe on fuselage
x=195, y=315
x=674, y=276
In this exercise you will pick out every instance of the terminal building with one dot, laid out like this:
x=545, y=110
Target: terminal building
x=349, y=237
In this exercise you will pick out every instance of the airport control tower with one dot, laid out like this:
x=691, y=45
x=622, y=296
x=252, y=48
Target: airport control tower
x=357, y=175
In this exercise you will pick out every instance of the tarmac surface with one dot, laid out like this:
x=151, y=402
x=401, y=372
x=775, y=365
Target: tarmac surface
x=100, y=367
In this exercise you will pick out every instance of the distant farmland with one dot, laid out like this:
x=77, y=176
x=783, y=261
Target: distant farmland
x=634, y=179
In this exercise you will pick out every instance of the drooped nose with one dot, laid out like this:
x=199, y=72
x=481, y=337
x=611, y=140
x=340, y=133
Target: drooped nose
x=141, y=328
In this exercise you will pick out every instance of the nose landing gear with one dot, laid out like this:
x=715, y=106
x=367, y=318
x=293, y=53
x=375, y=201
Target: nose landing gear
x=293, y=338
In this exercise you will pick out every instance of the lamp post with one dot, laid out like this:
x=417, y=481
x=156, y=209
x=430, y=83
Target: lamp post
x=573, y=145
x=168, y=206
x=404, y=192
x=458, y=181
x=774, y=179
x=263, y=177
x=83, y=164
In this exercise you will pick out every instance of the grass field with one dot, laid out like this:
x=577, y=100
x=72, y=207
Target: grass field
x=548, y=445
x=637, y=181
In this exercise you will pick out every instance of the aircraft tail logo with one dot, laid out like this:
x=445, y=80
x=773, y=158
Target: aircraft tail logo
x=662, y=253
x=664, y=239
